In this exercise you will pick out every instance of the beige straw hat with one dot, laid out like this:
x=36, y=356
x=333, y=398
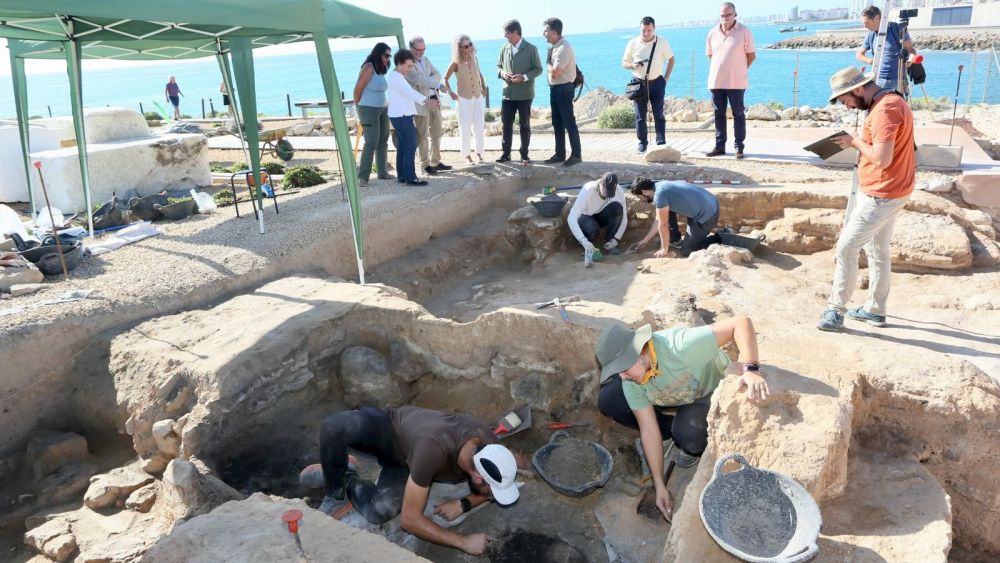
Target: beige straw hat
x=846, y=80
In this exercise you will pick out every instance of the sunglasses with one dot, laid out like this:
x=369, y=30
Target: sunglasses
x=467, y=46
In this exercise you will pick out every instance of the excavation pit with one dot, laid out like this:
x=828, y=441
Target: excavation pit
x=240, y=384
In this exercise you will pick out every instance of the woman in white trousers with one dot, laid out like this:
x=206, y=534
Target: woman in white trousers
x=468, y=93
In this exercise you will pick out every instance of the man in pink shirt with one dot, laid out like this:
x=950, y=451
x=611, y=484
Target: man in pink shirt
x=731, y=51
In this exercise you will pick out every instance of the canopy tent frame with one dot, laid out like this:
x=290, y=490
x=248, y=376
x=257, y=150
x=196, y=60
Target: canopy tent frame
x=120, y=29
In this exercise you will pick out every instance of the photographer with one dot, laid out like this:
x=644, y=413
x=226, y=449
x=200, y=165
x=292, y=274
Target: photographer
x=646, y=56
x=888, y=72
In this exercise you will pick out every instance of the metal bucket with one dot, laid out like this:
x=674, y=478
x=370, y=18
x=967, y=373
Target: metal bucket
x=760, y=515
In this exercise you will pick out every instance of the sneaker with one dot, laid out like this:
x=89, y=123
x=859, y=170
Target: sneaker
x=831, y=321
x=641, y=148
x=430, y=170
x=312, y=476
x=684, y=459
x=861, y=315
x=554, y=159
x=675, y=244
x=332, y=503
x=572, y=160
x=442, y=166
x=716, y=152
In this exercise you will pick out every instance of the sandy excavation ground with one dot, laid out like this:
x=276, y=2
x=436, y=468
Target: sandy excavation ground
x=938, y=363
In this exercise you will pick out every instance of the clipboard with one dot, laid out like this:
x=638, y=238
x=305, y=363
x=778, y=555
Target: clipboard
x=825, y=147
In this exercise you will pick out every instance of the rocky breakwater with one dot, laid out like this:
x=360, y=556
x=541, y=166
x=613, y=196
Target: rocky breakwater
x=974, y=41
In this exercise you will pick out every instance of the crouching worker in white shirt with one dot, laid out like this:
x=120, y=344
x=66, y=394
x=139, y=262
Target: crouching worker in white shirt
x=601, y=204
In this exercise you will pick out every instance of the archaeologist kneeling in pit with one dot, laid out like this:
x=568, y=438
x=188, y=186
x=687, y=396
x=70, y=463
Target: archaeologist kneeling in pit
x=415, y=447
x=643, y=372
x=600, y=204
x=670, y=198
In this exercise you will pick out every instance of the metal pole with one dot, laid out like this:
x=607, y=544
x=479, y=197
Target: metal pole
x=795, y=83
x=693, y=55
x=50, y=110
x=203, y=108
x=142, y=111
x=954, y=111
x=972, y=74
x=288, y=100
x=211, y=106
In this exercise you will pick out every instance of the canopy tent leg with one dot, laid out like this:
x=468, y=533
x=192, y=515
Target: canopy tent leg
x=23, y=127
x=234, y=111
x=336, y=106
x=242, y=53
x=73, y=57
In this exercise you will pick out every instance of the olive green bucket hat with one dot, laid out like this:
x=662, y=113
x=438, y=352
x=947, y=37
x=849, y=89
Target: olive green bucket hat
x=619, y=347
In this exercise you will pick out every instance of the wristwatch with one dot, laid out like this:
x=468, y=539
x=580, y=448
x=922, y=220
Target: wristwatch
x=466, y=504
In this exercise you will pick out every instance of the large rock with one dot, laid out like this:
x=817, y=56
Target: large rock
x=187, y=491
x=112, y=488
x=592, y=103
x=18, y=272
x=534, y=236
x=805, y=231
x=251, y=531
x=761, y=112
x=49, y=451
x=985, y=251
x=143, y=498
x=663, y=154
x=929, y=242
x=53, y=539
x=365, y=378
x=981, y=187
x=301, y=129
x=684, y=116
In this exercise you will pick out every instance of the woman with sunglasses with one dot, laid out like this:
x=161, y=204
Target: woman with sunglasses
x=403, y=100
x=373, y=113
x=471, y=88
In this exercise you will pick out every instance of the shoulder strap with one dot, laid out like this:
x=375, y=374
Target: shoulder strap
x=649, y=64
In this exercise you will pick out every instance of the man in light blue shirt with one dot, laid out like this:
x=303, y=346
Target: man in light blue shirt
x=674, y=197
x=887, y=75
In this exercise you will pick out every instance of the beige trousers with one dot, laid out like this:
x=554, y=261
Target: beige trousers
x=429, y=126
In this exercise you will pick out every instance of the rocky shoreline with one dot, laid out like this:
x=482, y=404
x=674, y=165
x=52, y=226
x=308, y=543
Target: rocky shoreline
x=924, y=41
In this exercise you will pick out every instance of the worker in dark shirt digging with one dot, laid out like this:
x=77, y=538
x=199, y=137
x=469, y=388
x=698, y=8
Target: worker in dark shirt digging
x=415, y=447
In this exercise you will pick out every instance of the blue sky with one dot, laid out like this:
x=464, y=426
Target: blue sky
x=436, y=20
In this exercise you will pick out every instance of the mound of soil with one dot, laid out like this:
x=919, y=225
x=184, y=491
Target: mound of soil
x=574, y=462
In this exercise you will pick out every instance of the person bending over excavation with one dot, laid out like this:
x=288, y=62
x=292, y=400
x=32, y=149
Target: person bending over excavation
x=600, y=204
x=643, y=372
x=672, y=197
x=415, y=447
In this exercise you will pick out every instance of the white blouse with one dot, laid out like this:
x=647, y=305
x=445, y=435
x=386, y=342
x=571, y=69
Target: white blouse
x=402, y=97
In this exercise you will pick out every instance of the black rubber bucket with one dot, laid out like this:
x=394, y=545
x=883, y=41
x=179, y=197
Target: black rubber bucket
x=542, y=461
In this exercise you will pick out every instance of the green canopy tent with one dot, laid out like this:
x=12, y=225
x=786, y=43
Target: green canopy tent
x=127, y=30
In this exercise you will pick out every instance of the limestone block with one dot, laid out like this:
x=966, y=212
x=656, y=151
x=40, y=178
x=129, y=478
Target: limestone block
x=142, y=499
x=48, y=451
x=939, y=156
x=186, y=492
x=981, y=187
x=20, y=289
x=14, y=186
x=805, y=231
x=985, y=251
x=149, y=165
x=245, y=531
x=102, y=125
x=108, y=489
x=365, y=378
x=811, y=419
x=929, y=242
x=53, y=539
x=165, y=438
x=940, y=185
x=761, y=112
x=301, y=129
x=24, y=274
x=663, y=154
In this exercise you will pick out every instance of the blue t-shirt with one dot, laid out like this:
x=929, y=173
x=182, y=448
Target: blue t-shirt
x=890, y=59
x=687, y=199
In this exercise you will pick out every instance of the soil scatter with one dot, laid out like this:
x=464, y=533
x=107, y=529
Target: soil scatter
x=761, y=526
x=521, y=547
x=574, y=462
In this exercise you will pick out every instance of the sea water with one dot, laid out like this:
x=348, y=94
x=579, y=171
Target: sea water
x=772, y=76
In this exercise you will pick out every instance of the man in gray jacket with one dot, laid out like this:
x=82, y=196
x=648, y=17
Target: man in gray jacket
x=426, y=79
x=518, y=66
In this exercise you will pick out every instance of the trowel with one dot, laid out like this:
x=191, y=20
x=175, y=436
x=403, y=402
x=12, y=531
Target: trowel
x=513, y=422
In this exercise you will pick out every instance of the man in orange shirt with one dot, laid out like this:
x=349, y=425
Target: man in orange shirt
x=886, y=174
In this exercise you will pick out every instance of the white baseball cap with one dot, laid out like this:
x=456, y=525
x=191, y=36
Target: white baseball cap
x=499, y=469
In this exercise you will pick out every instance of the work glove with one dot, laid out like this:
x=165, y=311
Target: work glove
x=588, y=253
x=613, y=243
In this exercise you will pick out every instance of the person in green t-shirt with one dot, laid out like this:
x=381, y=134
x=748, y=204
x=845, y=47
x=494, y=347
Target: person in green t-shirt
x=678, y=368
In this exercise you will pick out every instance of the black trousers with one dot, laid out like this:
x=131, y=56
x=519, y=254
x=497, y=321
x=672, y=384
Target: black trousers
x=610, y=217
x=367, y=430
x=735, y=99
x=699, y=235
x=523, y=110
x=688, y=428
x=563, y=120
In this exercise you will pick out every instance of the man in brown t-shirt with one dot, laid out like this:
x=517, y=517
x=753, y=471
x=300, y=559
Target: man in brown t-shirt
x=415, y=447
x=886, y=172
